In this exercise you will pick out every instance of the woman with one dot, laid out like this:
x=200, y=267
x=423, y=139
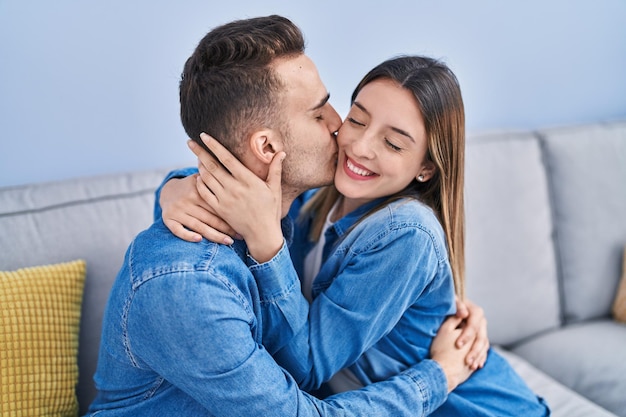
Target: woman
x=380, y=254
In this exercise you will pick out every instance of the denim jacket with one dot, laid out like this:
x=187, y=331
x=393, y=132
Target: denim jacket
x=183, y=334
x=391, y=290
x=382, y=292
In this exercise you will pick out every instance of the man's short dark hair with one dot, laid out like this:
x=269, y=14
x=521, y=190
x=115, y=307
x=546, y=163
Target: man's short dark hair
x=228, y=87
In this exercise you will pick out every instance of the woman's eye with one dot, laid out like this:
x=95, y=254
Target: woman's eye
x=392, y=146
x=320, y=117
x=355, y=122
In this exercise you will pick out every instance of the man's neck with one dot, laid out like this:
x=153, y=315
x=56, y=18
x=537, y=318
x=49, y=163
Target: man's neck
x=288, y=197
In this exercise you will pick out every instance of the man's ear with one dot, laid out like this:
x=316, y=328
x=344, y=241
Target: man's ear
x=426, y=173
x=265, y=144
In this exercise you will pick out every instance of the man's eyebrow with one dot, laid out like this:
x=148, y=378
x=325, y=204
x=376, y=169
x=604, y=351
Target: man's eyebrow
x=321, y=103
x=395, y=129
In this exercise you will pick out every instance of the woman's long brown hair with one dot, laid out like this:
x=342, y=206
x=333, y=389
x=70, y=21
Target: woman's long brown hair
x=438, y=95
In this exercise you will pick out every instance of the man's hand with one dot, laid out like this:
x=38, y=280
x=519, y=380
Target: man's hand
x=444, y=351
x=474, y=328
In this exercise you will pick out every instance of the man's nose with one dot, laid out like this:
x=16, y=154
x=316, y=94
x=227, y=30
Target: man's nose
x=334, y=120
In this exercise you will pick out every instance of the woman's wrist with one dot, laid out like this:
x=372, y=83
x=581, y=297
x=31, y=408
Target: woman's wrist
x=264, y=247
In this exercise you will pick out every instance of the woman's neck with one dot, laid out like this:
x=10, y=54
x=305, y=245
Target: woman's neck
x=347, y=205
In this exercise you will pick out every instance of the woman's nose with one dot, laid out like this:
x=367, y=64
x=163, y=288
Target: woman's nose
x=363, y=146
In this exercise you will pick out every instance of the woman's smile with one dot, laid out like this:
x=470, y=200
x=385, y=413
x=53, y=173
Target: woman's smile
x=356, y=171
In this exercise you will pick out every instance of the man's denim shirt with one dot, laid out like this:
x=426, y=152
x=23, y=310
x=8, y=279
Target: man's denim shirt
x=183, y=335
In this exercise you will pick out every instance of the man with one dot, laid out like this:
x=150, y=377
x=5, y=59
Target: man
x=182, y=332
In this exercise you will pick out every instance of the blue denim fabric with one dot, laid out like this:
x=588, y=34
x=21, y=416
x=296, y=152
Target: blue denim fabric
x=183, y=332
x=379, y=298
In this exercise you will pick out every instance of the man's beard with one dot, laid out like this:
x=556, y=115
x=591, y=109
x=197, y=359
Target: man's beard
x=296, y=180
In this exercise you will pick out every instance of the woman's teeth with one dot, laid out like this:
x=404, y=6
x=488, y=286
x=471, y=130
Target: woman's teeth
x=357, y=170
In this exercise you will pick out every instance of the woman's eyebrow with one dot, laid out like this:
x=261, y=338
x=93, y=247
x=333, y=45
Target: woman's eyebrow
x=362, y=107
x=403, y=133
x=395, y=129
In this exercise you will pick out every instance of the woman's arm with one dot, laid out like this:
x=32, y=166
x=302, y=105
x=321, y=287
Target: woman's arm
x=286, y=308
x=246, y=380
x=169, y=178
x=189, y=205
x=369, y=294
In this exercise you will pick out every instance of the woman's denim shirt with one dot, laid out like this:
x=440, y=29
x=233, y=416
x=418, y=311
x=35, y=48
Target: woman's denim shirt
x=392, y=289
x=183, y=335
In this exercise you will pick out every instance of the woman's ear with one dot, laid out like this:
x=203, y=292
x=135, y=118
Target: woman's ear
x=427, y=171
x=264, y=145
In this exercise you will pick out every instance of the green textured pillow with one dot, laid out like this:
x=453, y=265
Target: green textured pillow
x=39, y=325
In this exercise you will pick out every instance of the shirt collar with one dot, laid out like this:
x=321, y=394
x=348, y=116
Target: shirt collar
x=346, y=222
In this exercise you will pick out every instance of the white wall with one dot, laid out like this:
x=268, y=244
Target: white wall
x=90, y=87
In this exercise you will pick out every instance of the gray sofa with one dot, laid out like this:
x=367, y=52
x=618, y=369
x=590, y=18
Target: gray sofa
x=546, y=229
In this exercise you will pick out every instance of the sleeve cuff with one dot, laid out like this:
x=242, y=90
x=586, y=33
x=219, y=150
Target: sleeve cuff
x=276, y=278
x=431, y=383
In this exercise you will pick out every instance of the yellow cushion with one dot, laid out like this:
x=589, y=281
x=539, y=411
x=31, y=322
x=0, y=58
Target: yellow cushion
x=619, y=305
x=39, y=322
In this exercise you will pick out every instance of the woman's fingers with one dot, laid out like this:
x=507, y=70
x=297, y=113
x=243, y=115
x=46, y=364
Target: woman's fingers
x=181, y=232
x=225, y=159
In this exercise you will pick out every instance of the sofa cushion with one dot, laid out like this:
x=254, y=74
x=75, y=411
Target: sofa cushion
x=563, y=401
x=619, y=305
x=589, y=358
x=91, y=218
x=587, y=173
x=39, y=324
x=511, y=266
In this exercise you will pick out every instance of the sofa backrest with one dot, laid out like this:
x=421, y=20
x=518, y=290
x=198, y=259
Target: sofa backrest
x=510, y=258
x=546, y=226
x=87, y=218
x=586, y=168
